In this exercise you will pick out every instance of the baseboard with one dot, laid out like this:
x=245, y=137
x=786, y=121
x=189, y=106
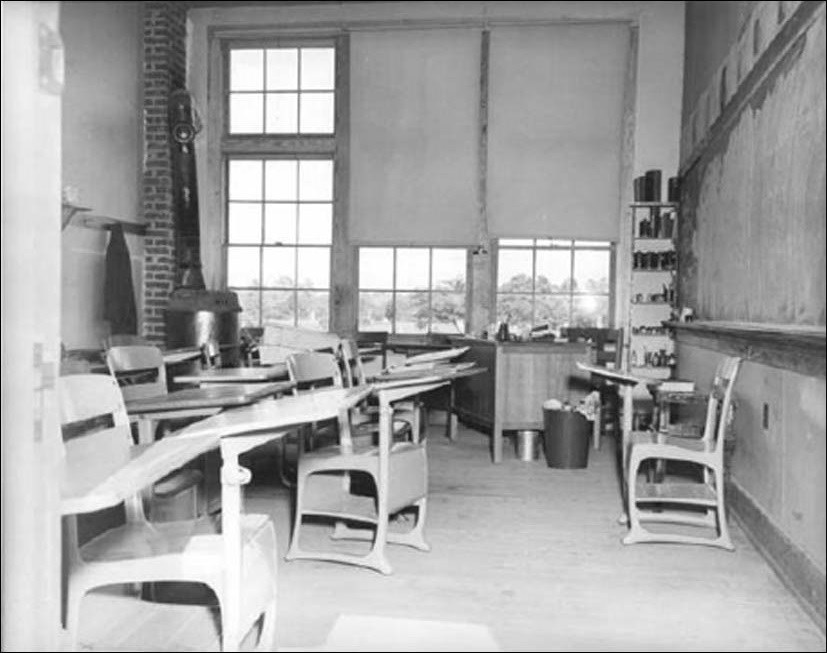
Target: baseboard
x=792, y=565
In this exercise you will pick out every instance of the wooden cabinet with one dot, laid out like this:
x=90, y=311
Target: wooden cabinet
x=520, y=377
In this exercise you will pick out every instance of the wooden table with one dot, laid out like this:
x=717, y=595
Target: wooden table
x=521, y=376
x=197, y=402
x=227, y=375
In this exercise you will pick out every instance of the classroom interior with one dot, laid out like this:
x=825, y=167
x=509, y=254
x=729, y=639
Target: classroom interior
x=534, y=187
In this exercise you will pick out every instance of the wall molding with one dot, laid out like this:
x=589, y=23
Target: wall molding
x=800, y=349
x=761, y=47
x=791, y=564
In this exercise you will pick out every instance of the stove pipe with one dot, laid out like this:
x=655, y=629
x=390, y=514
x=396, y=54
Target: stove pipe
x=195, y=316
x=183, y=129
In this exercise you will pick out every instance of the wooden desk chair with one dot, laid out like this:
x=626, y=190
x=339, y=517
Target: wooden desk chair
x=141, y=373
x=698, y=503
x=398, y=476
x=377, y=339
x=137, y=551
x=353, y=373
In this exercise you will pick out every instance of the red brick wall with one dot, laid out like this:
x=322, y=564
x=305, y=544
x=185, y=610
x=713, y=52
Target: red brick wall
x=164, y=68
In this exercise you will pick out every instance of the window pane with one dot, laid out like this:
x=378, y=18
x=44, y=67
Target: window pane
x=246, y=113
x=283, y=69
x=591, y=311
x=277, y=307
x=244, y=223
x=250, y=309
x=515, y=309
x=282, y=113
x=279, y=266
x=246, y=70
x=448, y=312
x=318, y=69
x=375, y=310
x=279, y=223
x=314, y=267
x=245, y=180
x=553, y=270
x=591, y=271
x=317, y=113
x=592, y=243
x=514, y=270
x=552, y=310
x=516, y=242
x=448, y=269
x=376, y=267
x=316, y=181
x=412, y=312
x=412, y=268
x=313, y=310
x=315, y=224
x=280, y=180
x=242, y=266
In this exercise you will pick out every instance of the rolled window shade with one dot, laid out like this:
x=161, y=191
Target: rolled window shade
x=555, y=129
x=414, y=115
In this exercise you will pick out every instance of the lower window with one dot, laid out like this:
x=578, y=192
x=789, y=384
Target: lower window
x=562, y=283
x=412, y=289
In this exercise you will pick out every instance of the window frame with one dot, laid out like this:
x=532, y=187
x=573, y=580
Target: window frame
x=283, y=146
x=574, y=245
x=394, y=291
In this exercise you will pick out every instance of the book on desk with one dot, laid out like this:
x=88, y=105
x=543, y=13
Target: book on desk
x=675, y=385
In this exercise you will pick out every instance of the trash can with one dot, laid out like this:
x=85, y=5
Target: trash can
x=567, y=435
x=528, y=445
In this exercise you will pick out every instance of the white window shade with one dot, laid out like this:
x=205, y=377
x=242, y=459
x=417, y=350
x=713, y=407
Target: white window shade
x=414, y=115
x=555, y=129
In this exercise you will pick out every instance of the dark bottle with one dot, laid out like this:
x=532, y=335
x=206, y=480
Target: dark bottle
x=502, y=332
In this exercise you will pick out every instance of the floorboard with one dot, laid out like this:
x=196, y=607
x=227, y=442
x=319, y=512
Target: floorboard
x=531, y=553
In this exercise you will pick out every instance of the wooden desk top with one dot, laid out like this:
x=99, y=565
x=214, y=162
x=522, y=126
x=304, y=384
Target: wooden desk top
x=147, y=464
x=211, y=396
x=415, y=374
x=617, y=376
x=280, y=413
x=261, y=374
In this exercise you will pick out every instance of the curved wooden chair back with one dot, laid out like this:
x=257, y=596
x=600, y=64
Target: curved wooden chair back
x=139, y=369
x=313, y=369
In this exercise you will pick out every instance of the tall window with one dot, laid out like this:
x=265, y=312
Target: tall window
x=279, y=223
x=280, y=191
x=412, y=289
x=282, y=90
x=557, y=282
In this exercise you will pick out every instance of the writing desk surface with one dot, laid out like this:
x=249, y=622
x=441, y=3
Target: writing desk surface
x=210, y=396
x=280, y=413
x=143, y=465
x=260, y=374
x=617, y=376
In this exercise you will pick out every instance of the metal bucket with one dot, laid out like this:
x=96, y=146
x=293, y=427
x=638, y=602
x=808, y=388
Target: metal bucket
x=528, y=445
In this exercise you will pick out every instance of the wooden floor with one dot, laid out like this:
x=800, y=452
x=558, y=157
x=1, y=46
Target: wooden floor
x=531, y=553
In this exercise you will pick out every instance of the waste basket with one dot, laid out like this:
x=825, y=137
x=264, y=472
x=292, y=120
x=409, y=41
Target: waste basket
x=567, y=435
